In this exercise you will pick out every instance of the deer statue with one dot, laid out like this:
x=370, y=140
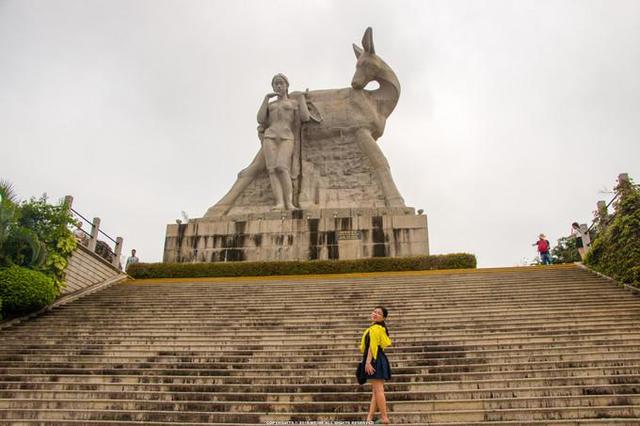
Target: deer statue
x=361, y=113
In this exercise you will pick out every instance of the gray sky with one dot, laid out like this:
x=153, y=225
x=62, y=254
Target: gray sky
x=514, y=114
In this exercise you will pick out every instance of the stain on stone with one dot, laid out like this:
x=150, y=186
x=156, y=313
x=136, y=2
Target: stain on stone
x=257, y=240
x=377, y=234
x=332, y=245
x=314, y=242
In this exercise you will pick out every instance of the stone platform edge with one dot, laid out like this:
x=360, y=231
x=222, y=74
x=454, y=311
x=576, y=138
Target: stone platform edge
x=465, y=271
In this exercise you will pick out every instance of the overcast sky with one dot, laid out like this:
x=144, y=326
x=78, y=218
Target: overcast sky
x=514, y=115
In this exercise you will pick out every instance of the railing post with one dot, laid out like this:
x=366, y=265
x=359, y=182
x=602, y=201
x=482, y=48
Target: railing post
x=623, y=178
x=95, y=228
x=602, y=213
x=68, y=201
x=117, y=252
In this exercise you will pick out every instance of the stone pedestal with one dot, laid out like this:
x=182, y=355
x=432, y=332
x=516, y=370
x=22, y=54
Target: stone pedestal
x=299, y=235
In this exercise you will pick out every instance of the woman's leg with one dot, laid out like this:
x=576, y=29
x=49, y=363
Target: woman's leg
x=372, y=406
x=381, y=401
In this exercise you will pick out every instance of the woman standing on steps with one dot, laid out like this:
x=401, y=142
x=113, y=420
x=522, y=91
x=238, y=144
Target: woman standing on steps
x=377, y=368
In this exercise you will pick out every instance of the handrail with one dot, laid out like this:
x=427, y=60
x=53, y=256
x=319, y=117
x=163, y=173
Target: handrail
x=622, y=177
x=111, y=255
x=91, y=223
x=597, y=219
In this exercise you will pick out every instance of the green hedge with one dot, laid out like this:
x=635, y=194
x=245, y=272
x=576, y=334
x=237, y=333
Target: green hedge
x=241, y=269
x=616, y=250
x=24, y=290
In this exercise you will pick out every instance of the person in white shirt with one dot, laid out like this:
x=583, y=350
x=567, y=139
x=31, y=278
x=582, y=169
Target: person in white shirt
x=581, y=234
x=131, y=259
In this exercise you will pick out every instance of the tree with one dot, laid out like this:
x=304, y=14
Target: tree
x=565, y=251
x=19, y=245
x=616, y=250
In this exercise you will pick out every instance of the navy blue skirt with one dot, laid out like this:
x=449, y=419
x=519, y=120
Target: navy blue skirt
x=381, y=364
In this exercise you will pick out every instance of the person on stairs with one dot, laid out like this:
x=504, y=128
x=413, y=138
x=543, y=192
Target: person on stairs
x=543, y=249
x=374, y=340
x=583, y=240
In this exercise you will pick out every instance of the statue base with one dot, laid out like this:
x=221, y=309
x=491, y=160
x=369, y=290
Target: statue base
x=356, y=233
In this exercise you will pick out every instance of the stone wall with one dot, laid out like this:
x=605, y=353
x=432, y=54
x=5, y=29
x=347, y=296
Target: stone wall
x=300, y=235
x=87, y=269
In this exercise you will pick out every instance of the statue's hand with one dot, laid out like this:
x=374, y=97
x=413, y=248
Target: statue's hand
x=270, y=95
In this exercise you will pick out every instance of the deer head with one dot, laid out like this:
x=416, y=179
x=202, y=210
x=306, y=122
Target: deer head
x=370, y=67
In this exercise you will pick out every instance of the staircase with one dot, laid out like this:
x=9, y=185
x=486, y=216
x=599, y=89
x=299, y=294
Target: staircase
x=543, y=345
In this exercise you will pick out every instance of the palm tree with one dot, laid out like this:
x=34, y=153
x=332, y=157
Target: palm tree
x=18, y=245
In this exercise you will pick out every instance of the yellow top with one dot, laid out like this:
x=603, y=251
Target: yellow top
x=378, y=338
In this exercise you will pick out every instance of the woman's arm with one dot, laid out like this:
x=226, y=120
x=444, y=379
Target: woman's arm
x=303, y=108
x=263, y=112
x=368, y=368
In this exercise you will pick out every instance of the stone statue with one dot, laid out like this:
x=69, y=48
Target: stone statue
x=278, y=131
x=321, y=169
x=336, y=162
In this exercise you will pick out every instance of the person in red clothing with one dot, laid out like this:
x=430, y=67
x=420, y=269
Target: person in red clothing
x=543, y=249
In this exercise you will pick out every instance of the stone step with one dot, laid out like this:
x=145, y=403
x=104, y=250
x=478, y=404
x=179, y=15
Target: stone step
x=492, y=312
x=400, y=367
x=578, y=422
x=340, y=326
x=321, y=407
x=425, y=293
x=427, y=359
x=552, y=345
x=206, y=385
x=299, y=343
x=319, y=362
x=466, y=416
x=271, y=329
x=107, y=391
x=427, y=347
x=328, y=377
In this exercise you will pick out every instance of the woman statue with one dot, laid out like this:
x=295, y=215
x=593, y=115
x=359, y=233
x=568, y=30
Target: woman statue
x=279, y=123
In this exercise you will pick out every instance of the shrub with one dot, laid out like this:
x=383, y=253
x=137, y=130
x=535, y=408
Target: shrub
x=616, y=250
x=237, y=269
x=565, y=251
x=18, y=245
x=51, y=225
x=24, y=290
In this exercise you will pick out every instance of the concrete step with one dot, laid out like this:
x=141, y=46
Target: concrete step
x=553, y=345
x=465, y=416
x=321, y=406
x=311, y=369
x=344, y=331
x=107, y=391
x=215, y=386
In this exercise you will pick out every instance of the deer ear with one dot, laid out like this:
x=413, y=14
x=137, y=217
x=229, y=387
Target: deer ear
x=367, y=41
x=357, y=51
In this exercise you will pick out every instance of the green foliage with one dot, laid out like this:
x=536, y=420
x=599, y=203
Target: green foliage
x=19, y=245
x=616, y=250
x=236, y=269
x=24, y=290
x=50, y=223
x=565, y=251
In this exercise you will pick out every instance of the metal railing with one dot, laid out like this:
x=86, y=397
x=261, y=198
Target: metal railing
x=90, y=239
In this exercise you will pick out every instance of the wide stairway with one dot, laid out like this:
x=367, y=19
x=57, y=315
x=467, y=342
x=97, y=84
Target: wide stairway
x=544, y=345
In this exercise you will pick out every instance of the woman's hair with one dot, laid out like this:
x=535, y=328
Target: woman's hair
x=385, y=313
x=575, y=225
x=282, y=76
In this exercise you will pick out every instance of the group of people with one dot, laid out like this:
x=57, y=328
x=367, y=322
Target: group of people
x=579, y=232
